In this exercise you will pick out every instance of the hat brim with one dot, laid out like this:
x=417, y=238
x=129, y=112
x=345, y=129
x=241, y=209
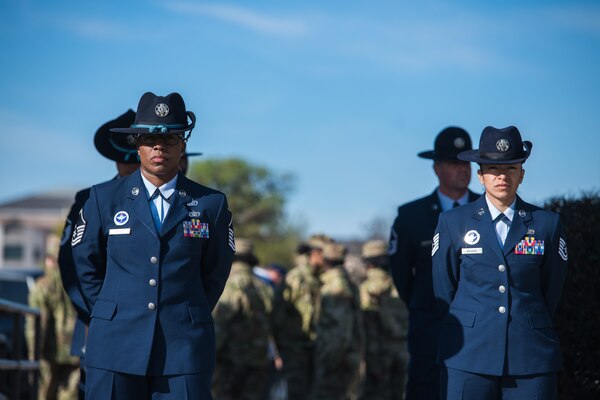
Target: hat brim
x=103, y=144
x=143, y=131
x=427, y=154
x=431, y=155
x=192, y=154
x=476, y=157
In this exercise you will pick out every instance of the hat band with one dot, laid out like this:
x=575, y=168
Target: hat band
x=161, y=128
x=501, y=156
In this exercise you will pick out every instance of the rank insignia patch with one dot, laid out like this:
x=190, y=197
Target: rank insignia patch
x=195, y=228
x=562, y=249
x=78, y=230
x=530, y=246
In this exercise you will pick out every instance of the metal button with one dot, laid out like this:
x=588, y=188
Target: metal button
x=501, y=289
x=502, y=309
x=151, y=306
x=153, y=260
x=152, y=282
x=501, y=268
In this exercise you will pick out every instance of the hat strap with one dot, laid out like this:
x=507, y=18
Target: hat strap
x=161, y=128
x=128, y=152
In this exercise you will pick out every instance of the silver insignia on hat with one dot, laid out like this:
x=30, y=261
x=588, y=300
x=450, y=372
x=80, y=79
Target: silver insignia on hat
x=135, y=191
x=459, y=143
x=162, y=110
x=502, y=145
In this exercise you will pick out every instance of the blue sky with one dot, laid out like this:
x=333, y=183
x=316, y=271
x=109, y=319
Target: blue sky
x=343, y=94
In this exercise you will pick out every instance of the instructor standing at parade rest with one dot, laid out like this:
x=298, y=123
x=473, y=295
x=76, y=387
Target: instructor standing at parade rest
x=499, y=265
x=152, y=253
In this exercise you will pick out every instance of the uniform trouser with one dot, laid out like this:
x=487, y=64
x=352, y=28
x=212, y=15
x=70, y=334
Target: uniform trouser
x=81, y=384
x=298, y=371
x=109, y=385
x=463, y=385
x=423, y=378
x=385, y=375
x=336, y=383
x=57, y=381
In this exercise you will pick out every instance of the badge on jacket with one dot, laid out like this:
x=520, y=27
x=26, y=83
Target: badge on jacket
x=530, y=246
x=196, y=229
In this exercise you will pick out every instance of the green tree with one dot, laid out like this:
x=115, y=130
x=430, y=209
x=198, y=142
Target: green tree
x=257, y=198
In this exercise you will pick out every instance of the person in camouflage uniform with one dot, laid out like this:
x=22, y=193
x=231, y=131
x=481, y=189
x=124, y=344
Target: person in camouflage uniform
x=385, y=320
x=59, y=371
x=242, y=330
x=295, y=314
x=338, y=347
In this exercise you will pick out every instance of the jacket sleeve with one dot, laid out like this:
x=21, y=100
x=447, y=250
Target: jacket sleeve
x=554, y=269
x=402, y=259
x=218, y=255
x=65, y=258
x=446, y=266
x=89, y=250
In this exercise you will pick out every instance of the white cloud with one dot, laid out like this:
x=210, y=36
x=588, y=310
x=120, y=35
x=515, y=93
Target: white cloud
x=280, y=26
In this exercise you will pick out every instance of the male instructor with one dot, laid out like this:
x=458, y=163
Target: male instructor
x=153, y=251
x=410, y=257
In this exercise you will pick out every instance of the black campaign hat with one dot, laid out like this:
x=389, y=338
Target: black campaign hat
x=499, y=146
x=120, y=148
x=160, y=114
x=448, y=144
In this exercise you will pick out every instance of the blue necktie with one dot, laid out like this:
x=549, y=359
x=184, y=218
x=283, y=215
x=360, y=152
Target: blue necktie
x=502, y=226
x=157, y=215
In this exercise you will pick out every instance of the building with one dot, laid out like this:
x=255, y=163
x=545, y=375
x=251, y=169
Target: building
x=28, y=224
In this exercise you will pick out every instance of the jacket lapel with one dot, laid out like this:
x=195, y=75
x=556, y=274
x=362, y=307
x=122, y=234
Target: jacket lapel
x=518, y=227
x=486, y=227
x=140, y=207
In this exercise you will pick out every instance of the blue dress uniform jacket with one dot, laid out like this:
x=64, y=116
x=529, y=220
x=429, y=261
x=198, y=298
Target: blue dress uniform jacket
x=151, y=293
x=410, y=262
x=498, y=301
x=69, y=276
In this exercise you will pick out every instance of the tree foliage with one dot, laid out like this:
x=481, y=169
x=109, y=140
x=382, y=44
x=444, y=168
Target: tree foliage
x=257, y=198
x=576, y=319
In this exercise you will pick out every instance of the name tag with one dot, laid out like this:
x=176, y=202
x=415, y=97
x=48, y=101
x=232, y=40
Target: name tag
x=472, y=250
x=119, y=231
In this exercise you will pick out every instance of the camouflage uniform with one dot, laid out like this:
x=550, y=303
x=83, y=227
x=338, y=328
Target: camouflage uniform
x=59, y=371
x=385, y=320
x=339, y=335
x=294, y=325
x=242, y=330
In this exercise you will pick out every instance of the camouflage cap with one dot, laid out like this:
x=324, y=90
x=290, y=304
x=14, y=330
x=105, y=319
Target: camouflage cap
x=244, y=247
x=318, y=241
x=374, y=248
x=334, y=252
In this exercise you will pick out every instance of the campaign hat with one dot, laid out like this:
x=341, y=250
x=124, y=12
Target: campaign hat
x=374, y=248
x=334, y=252
x=119, y=148
x=448, y=143
x=499, y=146
x=160, y=114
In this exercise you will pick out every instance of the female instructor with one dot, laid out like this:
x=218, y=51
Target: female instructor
x=499, y=265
